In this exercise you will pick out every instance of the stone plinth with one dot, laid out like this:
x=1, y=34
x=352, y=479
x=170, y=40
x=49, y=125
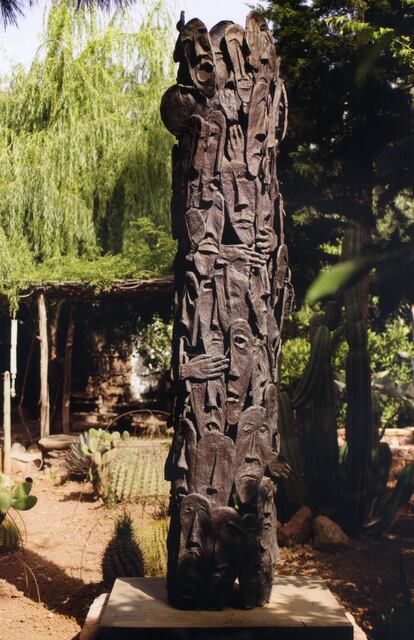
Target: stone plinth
x=301, y=608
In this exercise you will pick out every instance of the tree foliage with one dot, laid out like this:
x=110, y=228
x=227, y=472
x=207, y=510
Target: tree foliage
x=348, y=68
x=83, y=154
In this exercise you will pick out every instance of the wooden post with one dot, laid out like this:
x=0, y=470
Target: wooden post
x=13, y=356
x=67, y=372
x=6, y=424
x=53, y=331
x=44, y=365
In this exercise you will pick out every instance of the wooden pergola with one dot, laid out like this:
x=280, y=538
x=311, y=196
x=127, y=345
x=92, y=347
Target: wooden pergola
x=72, y=292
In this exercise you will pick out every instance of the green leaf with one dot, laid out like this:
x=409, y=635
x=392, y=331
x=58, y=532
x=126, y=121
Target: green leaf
x=338, y=277
x=24, y=504
x=5, y=500
x=21, y=491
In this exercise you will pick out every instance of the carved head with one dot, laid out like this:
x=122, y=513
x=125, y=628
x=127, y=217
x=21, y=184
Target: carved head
x=259, y=41
x=257, y=131
x=240, y=197
x=266, y=513
x=240, y=371
x=228, y=555
x=234, y=37
x=225, y=78
x=195, y=548
x=253, y=445
x=193, y=51
x=214, y=467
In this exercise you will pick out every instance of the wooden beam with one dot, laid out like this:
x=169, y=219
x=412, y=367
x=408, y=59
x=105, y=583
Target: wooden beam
x=67, y=372
x=44, y=366
x=6, y=424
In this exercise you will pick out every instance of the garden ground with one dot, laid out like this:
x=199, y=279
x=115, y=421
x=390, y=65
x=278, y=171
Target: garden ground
x=46, y=590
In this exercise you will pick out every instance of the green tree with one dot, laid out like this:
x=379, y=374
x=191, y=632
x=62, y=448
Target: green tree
x=83, y=154
x=348, y=67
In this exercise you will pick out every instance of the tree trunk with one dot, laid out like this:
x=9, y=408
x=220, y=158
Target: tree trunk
x=67, y=372
x=6, y=424
x=44, y=366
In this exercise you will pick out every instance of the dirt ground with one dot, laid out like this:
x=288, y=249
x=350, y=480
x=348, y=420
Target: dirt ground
x=46, y=590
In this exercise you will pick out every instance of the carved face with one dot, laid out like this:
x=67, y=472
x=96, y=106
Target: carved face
x=211, y=333
x=180, y=463
x=193, y=49
x=207, y=402
x=253, y=445
x=258, y=126
x=240, y=197
x=208, y=139
x=261, y=372
x=226, y=84
x=234, y=37
x=259, y=41
x=214, y=467
x=228, y=554
x=205, y=226
x=266, y=513
x=195, y=548
x=241, y=364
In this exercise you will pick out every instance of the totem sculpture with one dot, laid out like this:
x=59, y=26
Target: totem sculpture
x=228, y=112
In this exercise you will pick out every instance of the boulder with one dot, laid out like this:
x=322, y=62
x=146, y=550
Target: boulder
x=328, y=536
x=298, y=530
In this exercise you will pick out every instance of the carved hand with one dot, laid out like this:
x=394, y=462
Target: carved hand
x=204, y=367
x=266, y=240
x=233, y=252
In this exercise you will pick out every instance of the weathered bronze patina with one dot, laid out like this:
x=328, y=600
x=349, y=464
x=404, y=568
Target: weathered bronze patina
x=228, y=112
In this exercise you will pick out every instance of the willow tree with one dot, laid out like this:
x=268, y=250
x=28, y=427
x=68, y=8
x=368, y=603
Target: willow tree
x=82, y=152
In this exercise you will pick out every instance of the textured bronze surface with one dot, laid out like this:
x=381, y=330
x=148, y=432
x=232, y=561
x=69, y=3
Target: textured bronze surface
x=232, y=291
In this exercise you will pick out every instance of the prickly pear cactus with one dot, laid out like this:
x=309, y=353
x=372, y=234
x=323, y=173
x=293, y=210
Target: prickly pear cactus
x=86, y=453
x=10, y=538
x=133, y=471
x=152, y=538
x=16, y=496
x=123, y=556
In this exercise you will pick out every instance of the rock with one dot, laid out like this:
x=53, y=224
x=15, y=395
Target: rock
x=328, y=536
x=19, y=452
x=298, y=530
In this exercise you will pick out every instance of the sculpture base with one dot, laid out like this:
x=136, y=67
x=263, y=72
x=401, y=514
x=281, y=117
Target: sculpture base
x=301, y=608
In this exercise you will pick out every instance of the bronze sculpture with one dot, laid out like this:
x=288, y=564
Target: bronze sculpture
x=228, y=111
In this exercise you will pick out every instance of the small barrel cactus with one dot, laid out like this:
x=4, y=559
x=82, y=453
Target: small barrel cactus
x=152, y=538
x=123, y=557
x=10, y=538
x=133, y=471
